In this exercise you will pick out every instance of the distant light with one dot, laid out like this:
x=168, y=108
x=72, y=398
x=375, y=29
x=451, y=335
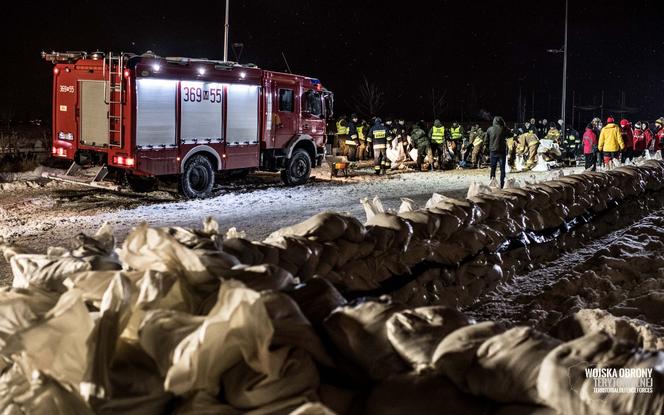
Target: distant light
x=56, y=70
x=201, y=71
x=243, y=75
x=156, y=67
x=126, y=73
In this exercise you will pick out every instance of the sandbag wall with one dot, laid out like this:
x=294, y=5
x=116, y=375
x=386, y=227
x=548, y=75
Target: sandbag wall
x=184, y=321
x=453, y=251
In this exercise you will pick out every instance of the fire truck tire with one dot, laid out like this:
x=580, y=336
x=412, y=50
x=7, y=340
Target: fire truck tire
x=197, y=179
x=298, y=168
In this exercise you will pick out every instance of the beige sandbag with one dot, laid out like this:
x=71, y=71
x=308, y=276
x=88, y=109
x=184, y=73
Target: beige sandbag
x=57, y=343
x=262, y=277
x=564, y=385
x=154, y=249
x=316, y=298
x=237, y=328
x=20, y=309
x=45, y=271
x=507, y=365
x=360, y=335
x=292, y=373
x=425, y=225
x=421, y=394
x=455, y=354
x=415, y=333
x=323, y=227
x=403, y=231
x=633, y=331
x=245, y=251
x=407, y=205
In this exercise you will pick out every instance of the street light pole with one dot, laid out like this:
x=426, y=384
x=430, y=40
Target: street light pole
x=226, y=34
x=564, y=97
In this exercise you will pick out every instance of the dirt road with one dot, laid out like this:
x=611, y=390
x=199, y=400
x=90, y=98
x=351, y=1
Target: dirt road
x=40, y=214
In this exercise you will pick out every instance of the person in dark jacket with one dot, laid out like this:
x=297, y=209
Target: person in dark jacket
x=378, y=133
x=497, y=136
x=420, y=141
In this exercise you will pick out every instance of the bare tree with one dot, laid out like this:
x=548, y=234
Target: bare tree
x=368, y=100
x=438, y=102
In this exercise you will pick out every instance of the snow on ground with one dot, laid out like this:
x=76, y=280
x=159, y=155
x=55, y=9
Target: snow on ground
x=42, y=214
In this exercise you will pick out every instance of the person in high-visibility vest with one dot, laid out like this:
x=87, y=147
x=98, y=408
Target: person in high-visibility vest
x=362, y=131
x=456, y=136
x=437, y=140
x=378, y=134
x=342, y=134
x=352, y=140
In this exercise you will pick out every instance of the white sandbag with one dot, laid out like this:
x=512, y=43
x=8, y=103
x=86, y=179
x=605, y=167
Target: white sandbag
x=493, y=184
x=360, y=335
x=237, y=328
x=477, y=188
x=154, y=249
x=57, y=344
x=372, y=207
x=407, y=205
x=415, y=333
x=323, y=227
x=507, y=365
x=564, y=384
x=455, y=354
x=542, y=165
x=413, y=154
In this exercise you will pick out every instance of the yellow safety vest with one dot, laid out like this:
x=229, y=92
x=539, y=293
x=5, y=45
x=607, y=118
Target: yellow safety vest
x=341, y=130
x=360, y=132
x=456, y=133
x=438, y=135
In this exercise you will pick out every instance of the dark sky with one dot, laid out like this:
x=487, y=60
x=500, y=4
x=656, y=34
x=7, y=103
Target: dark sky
x=479, y=52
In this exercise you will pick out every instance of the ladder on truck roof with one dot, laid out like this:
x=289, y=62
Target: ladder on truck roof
x=114, y=96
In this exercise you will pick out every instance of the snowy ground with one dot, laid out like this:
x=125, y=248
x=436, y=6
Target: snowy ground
x=40, y=214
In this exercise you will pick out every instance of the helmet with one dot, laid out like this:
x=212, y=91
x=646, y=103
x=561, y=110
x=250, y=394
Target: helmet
x=660, y=121
x=610, y=120
x=624, y=123
x=596, y=120
x=637, y=125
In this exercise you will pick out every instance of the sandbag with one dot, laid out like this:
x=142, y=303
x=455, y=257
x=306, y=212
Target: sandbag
x=323, y=227
x=507, y=365
x=565, y=386
x=360, y=335
x=455, y=354
x=403, y=231
x=415, y=333
x=262, y=277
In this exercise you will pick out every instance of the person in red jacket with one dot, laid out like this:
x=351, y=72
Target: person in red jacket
x=638, y=140
x=659, y=135
x=628, y=137
x=647, y=134
x=589, y=142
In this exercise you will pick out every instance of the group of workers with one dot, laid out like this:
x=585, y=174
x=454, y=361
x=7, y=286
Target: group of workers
x=443, y=148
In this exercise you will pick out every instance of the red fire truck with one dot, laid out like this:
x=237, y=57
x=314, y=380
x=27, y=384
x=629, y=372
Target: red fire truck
x=139, y=117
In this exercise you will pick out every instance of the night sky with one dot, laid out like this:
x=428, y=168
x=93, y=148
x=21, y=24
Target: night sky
x=481, y=53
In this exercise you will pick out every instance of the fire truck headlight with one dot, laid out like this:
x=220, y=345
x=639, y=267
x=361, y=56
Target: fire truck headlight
x=201, y=71
x=65, y=136
x=156, y=67
x=69, y=136
x=243, y=75
x=61, y=136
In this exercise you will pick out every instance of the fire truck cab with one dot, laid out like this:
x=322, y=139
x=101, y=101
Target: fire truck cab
x=140, y=117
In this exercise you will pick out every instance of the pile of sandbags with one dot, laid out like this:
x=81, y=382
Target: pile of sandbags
x=175, y=322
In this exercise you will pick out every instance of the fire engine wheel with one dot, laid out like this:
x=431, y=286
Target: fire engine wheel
x=298, y=168
x=198, y=178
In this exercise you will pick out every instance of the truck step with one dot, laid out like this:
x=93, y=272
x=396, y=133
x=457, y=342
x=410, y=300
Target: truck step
x=92, y=177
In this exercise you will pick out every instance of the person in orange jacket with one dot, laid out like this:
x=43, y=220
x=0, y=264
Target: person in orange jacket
x=610, y=140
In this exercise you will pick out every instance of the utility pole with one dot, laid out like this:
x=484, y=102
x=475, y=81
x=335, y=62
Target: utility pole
x=564, y=98
x=226, y=34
